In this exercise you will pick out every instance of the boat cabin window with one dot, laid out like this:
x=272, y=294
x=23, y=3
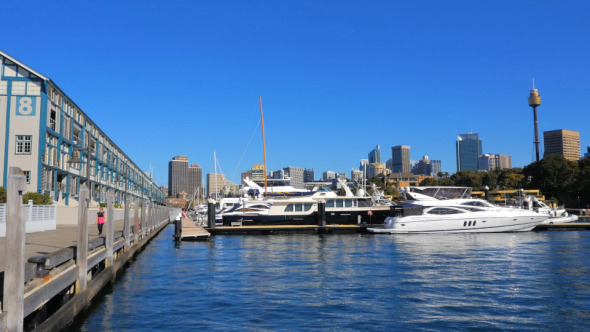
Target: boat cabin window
x=330, y=203
x=339, y=203
x=299, y=207
x=442, y=210
x=348, y=203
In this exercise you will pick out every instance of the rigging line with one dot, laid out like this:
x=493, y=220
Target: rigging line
x=245, y=150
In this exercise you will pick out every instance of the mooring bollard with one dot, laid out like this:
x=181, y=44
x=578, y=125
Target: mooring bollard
x=211, y=214
x=321, y=213
x=178, y=228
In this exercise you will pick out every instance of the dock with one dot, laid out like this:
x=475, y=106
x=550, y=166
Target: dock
x=566, y=226
x=282, y=229
x=190, y=231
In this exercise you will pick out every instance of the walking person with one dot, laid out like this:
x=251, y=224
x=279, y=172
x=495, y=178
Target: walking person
x=100, y=220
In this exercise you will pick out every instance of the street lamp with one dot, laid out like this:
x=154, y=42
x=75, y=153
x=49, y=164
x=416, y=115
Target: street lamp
x=77, y=160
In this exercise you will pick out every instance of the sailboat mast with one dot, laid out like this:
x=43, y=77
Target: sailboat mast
x=263, y=146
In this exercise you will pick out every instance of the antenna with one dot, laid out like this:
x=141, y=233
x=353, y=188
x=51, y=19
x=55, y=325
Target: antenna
x=533, y=82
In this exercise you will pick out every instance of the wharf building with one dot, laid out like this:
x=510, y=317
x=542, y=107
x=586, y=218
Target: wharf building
x=183, y=178
x=489, y=162
x=375, y=155
x=400, y=159
x=48, y=136
x=428, y=167
x=562, y=142
x=469, y=148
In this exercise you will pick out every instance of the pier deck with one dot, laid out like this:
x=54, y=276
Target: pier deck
x=192, y=232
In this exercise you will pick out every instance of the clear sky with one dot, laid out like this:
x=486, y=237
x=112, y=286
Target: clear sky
x=337, y=78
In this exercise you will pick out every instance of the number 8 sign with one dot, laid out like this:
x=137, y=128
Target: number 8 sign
x=25, y=106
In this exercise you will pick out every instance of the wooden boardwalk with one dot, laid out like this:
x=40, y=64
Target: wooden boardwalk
x=192, y=232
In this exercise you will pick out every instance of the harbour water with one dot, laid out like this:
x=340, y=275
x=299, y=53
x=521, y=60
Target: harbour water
x=520, y=281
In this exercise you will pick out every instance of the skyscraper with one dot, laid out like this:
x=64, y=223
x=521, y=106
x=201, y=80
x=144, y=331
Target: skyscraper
x=182, y=177
x=375, y=155
x=400, y=159
x=427, y=167
x=308, y=175
x=469, y=148
x=563, y=142
x=295, y=175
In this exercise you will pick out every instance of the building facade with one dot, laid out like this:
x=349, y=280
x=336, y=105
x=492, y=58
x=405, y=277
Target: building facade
x=469, y=148
x=356, y=175
x=375, y=155
x=49, y=137
x=183, y=178
x=295, y=175
x=489, y=162
x=562, y=142
x=308, y=175
x=400, y=159
x=428, y=167
x=376, y=170
x=328, y=176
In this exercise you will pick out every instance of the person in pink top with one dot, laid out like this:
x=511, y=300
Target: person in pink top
x=100, y=220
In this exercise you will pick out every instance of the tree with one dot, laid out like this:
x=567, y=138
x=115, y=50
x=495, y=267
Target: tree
x=38, y=199
x=555, y=176
x=2, y=195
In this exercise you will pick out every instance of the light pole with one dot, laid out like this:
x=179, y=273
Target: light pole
x=77, y=160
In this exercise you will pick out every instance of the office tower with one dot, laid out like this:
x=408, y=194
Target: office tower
x=328, y=175
x=183, y=178
x=469, y=148
x=534, y=102
x=295, y=175
x=489, y=162
x=563, y=142
x=400, y=159
x=376, y=169
x=356, y=175
x=308, y=175
x=375, y=155
x=427, y=167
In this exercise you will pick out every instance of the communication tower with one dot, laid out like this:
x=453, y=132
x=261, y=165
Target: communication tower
x=534, y=101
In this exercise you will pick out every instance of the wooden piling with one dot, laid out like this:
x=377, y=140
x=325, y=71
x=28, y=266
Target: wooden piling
x=110, y=229
x=82, y=244
x=14, y=272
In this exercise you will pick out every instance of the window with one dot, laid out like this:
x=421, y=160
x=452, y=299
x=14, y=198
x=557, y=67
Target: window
x=52, y=120
x=307, y=206
x=27, y=176
x=289, y=208
x=330, y=203
x=23, y=144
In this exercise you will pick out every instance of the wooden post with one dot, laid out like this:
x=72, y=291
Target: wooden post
x=110, y=229
x=143, y=211
x=126, y=223
x=14, y=271
x=82, y=244
x=136, y=219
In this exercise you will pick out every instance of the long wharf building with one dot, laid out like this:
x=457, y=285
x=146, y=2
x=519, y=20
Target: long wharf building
x=44, y=131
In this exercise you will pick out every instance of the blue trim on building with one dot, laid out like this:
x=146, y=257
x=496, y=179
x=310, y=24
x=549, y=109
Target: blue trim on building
x=7, y=133
x=42, y=134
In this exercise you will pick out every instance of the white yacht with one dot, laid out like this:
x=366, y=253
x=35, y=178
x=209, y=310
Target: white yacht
x=451, y=209
x=458, y=219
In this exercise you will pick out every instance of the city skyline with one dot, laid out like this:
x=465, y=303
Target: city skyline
x=336, y=79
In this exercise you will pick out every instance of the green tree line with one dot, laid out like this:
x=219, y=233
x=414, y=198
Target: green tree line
x=566, y=181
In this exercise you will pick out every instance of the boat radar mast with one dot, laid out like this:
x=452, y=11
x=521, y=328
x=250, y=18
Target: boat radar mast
x=534, y=102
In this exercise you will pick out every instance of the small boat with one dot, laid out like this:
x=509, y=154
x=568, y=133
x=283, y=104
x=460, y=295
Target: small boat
x=458, y=219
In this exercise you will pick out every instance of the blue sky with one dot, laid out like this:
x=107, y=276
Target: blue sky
x=337, y=78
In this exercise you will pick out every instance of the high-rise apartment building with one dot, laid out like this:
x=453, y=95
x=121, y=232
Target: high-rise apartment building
x=183, y=178
x=375, y=155
x=400, y=159
x=216, y=184
x=563, y=142
x=469, y=148
x=489, y=162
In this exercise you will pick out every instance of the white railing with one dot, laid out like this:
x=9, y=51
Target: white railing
x=38, y=218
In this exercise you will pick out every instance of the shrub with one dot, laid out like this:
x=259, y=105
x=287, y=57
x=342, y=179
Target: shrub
x=38, y=199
